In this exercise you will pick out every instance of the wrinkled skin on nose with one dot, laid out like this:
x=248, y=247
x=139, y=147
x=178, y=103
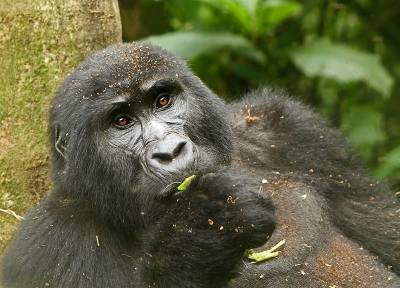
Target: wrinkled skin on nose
x=172, y=154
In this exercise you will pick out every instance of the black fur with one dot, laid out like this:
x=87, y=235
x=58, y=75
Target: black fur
x=116, y=219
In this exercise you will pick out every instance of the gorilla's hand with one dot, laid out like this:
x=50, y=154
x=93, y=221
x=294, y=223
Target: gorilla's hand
x=207, y=229
x=224, y=204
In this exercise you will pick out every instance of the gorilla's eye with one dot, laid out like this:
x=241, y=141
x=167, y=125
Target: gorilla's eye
x=162, y=100
x=122, y=120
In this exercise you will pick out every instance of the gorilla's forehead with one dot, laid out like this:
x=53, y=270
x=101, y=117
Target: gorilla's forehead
x=135, y=59
x=122, y=67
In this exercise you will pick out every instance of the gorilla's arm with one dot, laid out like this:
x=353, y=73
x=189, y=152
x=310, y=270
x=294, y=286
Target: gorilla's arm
x=62, y=244
x=204, y=234
x=197, y=243
x=285, y=136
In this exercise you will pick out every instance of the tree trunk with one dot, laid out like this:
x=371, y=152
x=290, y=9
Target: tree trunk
x=41, y=41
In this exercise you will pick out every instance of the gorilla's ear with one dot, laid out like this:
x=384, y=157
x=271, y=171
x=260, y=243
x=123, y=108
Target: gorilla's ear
x=60, y=143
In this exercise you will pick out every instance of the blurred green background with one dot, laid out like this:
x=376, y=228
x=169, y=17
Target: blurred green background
x=343, y=58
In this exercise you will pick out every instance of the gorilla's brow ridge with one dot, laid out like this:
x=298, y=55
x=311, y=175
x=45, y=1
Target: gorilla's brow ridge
x=121, y=100
x=159, y=82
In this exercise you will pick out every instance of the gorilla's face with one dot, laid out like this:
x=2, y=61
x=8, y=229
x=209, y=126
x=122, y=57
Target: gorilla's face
x=150, y=125
x=134, y=119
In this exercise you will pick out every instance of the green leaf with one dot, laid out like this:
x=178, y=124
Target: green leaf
x=249, y=5
x=391, y=166
x=264, y=255
x=363, y=125
x=342, y=63
x=274, y=12
x=183, y=186
x=240, y=10
x=255, y=16
x=190, y=44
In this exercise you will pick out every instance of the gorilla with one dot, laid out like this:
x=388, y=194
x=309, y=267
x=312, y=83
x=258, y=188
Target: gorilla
x=132, y=122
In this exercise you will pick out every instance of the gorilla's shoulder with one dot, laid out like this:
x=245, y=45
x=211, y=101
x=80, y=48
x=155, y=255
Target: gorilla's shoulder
x=270, y=108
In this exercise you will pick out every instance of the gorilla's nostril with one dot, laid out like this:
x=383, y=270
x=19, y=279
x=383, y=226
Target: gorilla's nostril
x=178, y=149
x=162, y=156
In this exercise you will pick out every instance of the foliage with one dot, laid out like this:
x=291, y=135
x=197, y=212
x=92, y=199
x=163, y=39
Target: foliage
x=342, y=57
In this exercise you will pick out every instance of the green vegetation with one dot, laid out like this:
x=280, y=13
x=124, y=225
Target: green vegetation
x=264, y=255
x=183, y=186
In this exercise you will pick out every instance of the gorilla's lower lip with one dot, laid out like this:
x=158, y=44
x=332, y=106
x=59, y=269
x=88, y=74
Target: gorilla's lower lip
x=170, y=190
x=174, y=187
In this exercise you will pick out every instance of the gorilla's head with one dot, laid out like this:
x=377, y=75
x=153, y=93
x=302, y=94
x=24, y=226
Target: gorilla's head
x=133, y=119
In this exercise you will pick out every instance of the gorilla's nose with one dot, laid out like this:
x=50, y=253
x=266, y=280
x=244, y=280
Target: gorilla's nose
x=170, y=153
x=168, y=150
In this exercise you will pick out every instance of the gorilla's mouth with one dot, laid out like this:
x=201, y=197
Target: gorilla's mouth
x=170, y=190
x=176, y=188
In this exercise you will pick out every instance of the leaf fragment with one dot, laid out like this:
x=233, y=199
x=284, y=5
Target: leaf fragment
x=264, y=255
x=183, y=186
